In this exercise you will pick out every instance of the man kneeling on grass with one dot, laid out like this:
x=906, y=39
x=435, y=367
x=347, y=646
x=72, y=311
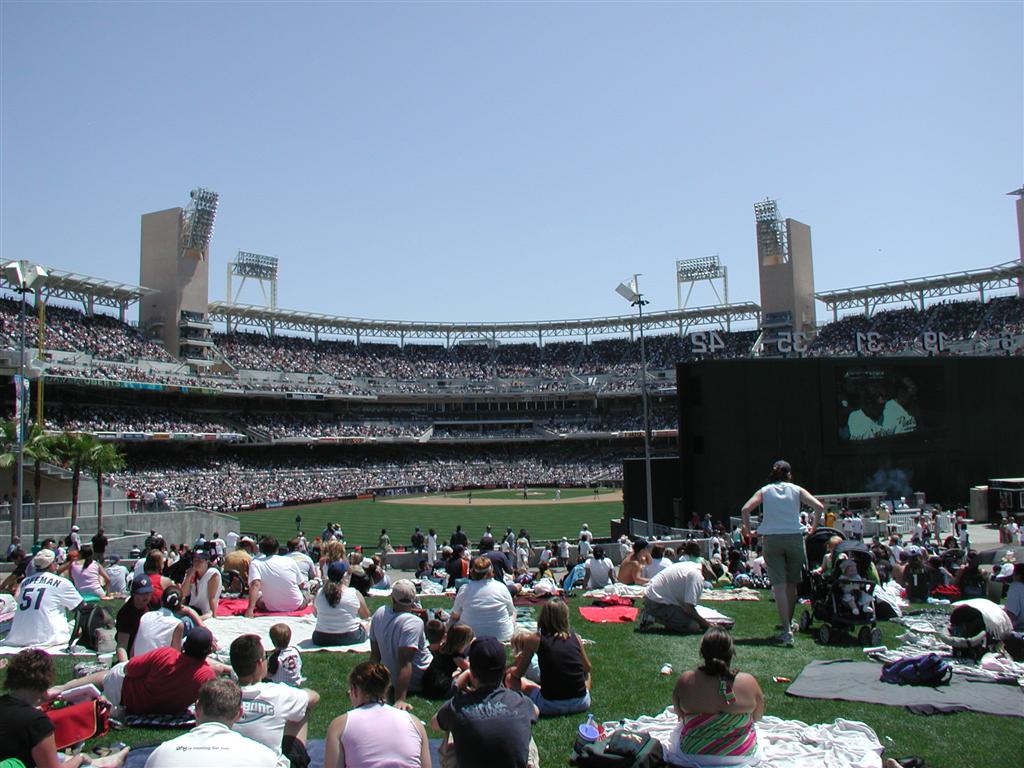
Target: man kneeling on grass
x=274, y=714
x=490, y=724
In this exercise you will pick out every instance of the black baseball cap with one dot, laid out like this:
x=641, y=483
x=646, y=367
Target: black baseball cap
x=487, y=658
x=141, y=585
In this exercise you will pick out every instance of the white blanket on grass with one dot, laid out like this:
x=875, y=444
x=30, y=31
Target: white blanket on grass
x=709, y=595
x=227, y=628
x=61, y=649
x=781, y=743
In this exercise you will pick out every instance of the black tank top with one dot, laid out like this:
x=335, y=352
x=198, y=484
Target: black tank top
x=561, y=668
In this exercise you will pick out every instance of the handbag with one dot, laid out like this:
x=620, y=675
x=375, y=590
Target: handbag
x=77, y=722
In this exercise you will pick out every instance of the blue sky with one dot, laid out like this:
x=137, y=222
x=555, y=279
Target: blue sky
x=513, y=161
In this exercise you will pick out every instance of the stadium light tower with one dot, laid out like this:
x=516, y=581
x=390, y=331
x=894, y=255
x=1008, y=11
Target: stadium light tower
x=631, y=293
x=23, y=277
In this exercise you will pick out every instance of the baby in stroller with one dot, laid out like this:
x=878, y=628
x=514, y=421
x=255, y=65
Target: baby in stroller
x=856, y=592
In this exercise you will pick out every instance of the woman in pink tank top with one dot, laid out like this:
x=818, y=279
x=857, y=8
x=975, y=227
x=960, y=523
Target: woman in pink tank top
x=374, y=734
x=88, y=576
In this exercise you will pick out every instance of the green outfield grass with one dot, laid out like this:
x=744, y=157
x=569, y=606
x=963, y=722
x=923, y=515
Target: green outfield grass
x=627, y=683
x=362, y=520
x=532, y=494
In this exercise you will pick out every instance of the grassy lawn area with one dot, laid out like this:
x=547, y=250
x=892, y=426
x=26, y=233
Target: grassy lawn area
x=627, y=683
x=362, y=520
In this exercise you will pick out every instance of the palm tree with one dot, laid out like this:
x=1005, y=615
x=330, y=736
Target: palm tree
x=105, y=458
x=73, y=450
x=39, y=447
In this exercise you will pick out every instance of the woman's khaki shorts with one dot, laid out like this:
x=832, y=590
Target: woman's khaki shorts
x=785, y=557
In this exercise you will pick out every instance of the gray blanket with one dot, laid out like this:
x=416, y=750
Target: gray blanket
x=859, y=681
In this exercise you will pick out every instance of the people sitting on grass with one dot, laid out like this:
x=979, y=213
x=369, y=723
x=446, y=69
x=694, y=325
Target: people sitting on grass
x=87, y=574
x=26, y=733
x=373, y=734
x=449, y=659
x=489, y=724
x=236, y=565
x=398, y=641
x=213, y=742
x=599, y=570
x=42, y=601
x=659, y=561
x=162, y=682
x=671, y=600
x=152, y=568
x=202, y=585
x=274, y=714
x=118, y=576
x=166, y=627
x=501, y=562
x=332, y=552
x=340, y=610
x=631, y=570
x=485, y=604
x=717, y=708
x=129, y=616
x=275, y=582
x=564, y=666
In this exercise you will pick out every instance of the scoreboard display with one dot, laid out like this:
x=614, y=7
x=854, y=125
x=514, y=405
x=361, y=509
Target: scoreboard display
x=894, y=425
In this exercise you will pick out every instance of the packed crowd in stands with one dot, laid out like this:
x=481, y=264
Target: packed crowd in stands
x=281, y=425
x=99, y=419
x=901, y=329
x=231, y=481
x=70, y=330
x=608, y=365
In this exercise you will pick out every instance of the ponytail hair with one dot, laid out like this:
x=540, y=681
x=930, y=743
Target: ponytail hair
x=85, y=554
x=171, y=598
x=332, y=592
x=717, y=651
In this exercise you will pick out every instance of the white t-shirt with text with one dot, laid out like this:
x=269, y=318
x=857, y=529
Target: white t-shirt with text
x=266, y=708
x=42, y=600
x=212, y=744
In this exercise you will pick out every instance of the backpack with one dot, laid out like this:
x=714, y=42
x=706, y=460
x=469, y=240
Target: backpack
x=930, y=670
x=623, y=749
x=94, y=628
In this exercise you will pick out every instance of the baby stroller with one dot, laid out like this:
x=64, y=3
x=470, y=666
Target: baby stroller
x=816, y=546
x=828, y=591
x=976, y=627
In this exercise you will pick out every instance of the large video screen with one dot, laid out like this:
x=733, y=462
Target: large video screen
x=884, y=402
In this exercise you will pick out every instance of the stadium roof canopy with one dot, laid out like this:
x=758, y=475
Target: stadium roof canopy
x=91, y=290
x=272, y=320
x=1007, y=275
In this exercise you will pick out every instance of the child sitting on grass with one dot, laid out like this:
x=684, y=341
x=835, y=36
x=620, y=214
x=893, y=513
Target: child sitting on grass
x=449, y=660
x=284, y=664
x=434, y=630
x=519, y=638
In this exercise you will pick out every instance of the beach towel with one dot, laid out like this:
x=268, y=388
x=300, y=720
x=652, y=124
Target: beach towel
x=781, y=743
x=612, y=614
x=225, y=629
x=237, y=606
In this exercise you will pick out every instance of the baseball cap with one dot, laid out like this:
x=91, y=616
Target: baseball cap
x=75, y=528
x=198, y=642
x=403, y=592
x=202, y=554
x=141, y=585
x=487, y=657
x=336, y=571
x=44, y=559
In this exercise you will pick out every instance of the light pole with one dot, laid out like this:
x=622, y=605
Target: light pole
x=23, y=276
x=631, y=293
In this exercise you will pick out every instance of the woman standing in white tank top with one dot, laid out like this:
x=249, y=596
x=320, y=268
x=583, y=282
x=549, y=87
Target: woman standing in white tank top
x=782, y=538
x=374, y=734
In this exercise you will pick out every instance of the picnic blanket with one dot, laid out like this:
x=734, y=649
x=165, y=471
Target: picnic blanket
x=610, y=614
x=922, y=636
x=859, y=681
x=237, y=606
x=226, y=628
x=60, y=649
x=781, y=743
x=316, y=748
x=709, y=596
x=626, y=615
